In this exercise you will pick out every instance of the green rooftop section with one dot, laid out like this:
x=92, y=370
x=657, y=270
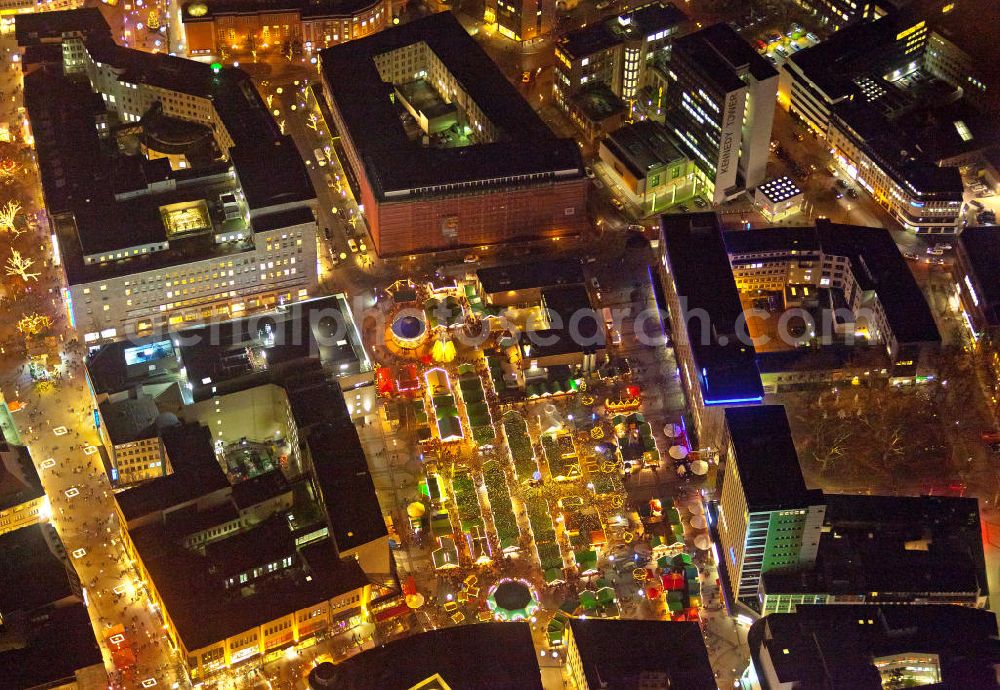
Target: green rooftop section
x=476, y=407
x=561, y=455
x=441, y=524
x=540, y=519
x=499, y=496
x=467, y=503
x=519, y=443
x=443, y=312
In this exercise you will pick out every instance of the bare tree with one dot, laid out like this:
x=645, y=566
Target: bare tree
x=18, y=265
x=8, y=218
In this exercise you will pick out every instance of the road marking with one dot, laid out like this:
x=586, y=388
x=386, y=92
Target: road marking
x=79, y=553
x=46, y=464
x=60, y=431
x=71, y=492
x=90, y=450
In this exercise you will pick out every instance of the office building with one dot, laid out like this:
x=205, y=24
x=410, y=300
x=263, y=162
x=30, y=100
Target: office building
x=657, y=654
x=22, y=499
x=484, y=169
x=237, y=567
x=888, y=550
x=526, y=21
x=874, y=647
x=503, y=652
x=129, y=429
x=765, y=518
x=173, y=196
x=718, y=368
x=618, y=53
x=868, y=91
x=872, y=294
x=976, y=267
x=959, y=52
x=263, y=528
x=46, y=639
x=649, y=167
x=720, y=98
x=849, y=284
x=212, y=27
x=560, y=329
x=205, y=361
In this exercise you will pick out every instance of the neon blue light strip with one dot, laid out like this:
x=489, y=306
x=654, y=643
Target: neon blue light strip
x=734, y=401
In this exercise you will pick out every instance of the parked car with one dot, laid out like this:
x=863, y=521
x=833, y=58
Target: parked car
x=699, y=202
x=852, y=192
x=352, y=245
x=470, y=258
x=589, y=171
x=911, y=256
x=616, y=202
x=935, y=251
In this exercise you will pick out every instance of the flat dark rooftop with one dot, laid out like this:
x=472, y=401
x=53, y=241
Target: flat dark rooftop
x=910, y=145
x=961, y=25
x=576, y=327
x=19, y=481
x=853, y=564
x=854, y=51
x=765, y=455
x=673, y=648
x=250, y=492
x=700, y=269
x=952, y=522
x=33, y=575
x=131, y=419
x=215, y=356
x=31, y=29
x=49, y=650
x=393, y=163
x=982, y=251
x=499, y=656
x=196, y=473
x=534, y=274
x=643, y=146
x=833, y=646
x=204, y=611
x=347, y=487
x=78, y=171
x=722, y=55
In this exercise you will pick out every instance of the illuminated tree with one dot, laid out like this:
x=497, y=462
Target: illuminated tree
x=18, y=265
x=313, y=122
x=8, y=217
x=33, y=324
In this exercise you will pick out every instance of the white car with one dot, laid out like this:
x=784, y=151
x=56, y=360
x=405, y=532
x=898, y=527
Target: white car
x=352, y=245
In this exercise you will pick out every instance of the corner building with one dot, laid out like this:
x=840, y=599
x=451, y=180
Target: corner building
x=172, y=193
x=468, y=164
